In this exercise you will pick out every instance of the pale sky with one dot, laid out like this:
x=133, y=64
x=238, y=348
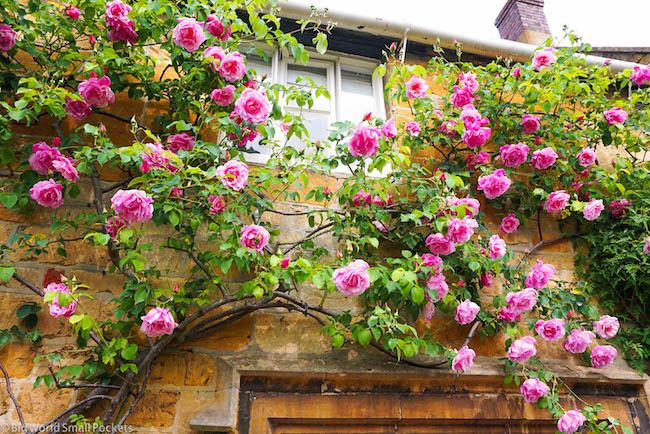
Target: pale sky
x=620, y=23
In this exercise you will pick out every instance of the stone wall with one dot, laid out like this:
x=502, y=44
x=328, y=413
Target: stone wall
x=207, y=373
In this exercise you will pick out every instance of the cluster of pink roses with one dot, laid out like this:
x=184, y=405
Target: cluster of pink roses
x=230, y=66
x=156, y=157
x=464, y=94
x=640, y=75
x=476, y=133
x=44, y=160
x=189, y=34
x=95, y=92
x=494, y=184
x=120, y=27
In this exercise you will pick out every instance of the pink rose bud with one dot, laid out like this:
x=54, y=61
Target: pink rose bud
x=393, y=46
x=327, y=190
x=516, y=72
x=339, y=254
x=569, y=315
x=461, y=283
x=177, y=288
x=284, y=263
x=102, y=128
x=608, y=61
x=56, y=142
x=92, y=39
x=367, y=116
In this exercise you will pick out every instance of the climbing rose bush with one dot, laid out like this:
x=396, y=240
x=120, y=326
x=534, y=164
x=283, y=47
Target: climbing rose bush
x=519, y=141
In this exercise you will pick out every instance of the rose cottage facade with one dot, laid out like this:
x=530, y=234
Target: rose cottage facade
x=221, y=217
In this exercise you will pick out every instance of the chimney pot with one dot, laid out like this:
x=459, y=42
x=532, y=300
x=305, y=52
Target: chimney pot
x=523, y=21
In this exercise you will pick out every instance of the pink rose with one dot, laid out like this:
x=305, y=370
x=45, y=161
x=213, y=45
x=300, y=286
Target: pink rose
x=571, y=421
x=551, y=330
x=618, y=208
x=215, y=56
x=461, y=97
x=530, y=124
x=284, y=263
x=607, y=326
x=157, y=322
x=56, y=310
x=97, y=92
x=544, y=57
x=468, y=80
x=214, y=27
x=463, y=360
x=495, y=184
x=514, y=155
x=254, y=237
x=557, y=201
x=428, y=312
x=43, y=157
x=382, y=227
x=486, y=279
x=353, y=279
x=77, y=108
x=448, y=128
x=593, y=209
x=516, y=72
x=253, y=106
x=379, y=201
x=508, y=314
x=116, y=10
x=522, y=349
x=578, y=341
x=65, y=167
x=7, y=38
x=471, y=205
x=466, y=311
x=413, y=128
x=362, y=199
x=603, y=355
x=497, y=247
x=182, y=141
x=122, y=29
x=615, y=116
x=217, y=204
x=72, y=12
x=416, y=87
x=433, y=261
x=474, y=138
x=586, y=157
x=233, y=174
x=232, y=67
x=439, y=244
x=460, y=231
x=47, y=193
x=436, y=282
x=521, y=301
x=388, y=129
x=474, y=160
x=364, y=141
x=188, y=34
x=646, y=245
x=156, y=157
x=224, y=97
x=539, y=275
x=509, y=224
x=134, y=206
x=639, y=75
x=472, y=118
x=114, y=225
x=533, y=389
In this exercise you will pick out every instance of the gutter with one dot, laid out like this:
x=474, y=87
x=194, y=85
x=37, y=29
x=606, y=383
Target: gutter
x=393, y=28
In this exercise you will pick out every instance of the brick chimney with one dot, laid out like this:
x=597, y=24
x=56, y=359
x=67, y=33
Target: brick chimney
x=523, y=21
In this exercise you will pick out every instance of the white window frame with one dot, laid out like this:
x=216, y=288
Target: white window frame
x=332, y=61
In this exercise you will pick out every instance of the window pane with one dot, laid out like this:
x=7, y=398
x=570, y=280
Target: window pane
x=317, y=124
x=318, y=74
x=357, y=96
x=254, y=61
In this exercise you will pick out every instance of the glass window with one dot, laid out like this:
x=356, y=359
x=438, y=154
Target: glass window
x=357, y=93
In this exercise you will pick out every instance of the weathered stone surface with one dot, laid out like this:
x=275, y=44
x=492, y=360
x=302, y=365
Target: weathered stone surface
x=42, y=404
x=232, y=338
x=289, y=334
x=18, y=359
x=183, y=369
x=156, y=409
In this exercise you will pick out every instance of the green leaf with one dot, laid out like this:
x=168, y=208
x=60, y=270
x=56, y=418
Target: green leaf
x=8, y=199
x=27, y=309
x=338, y=340
x=364, y=337
x=417, y=294
x=6, y=273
